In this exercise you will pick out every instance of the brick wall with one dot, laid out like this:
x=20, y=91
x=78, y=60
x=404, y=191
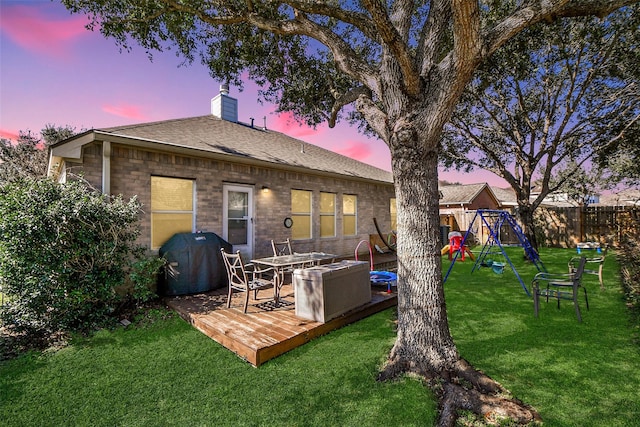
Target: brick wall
x=131, y=171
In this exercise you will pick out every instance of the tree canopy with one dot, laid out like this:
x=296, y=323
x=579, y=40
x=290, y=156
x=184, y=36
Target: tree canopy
x=397, y=68
x=620, y=165
x=550, y=102
x=28, y=157
x=315, y=57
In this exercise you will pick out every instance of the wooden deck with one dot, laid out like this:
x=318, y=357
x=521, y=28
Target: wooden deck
x=264, y=332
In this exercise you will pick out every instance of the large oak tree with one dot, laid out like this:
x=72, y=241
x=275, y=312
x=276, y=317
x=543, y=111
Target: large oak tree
x=555, y=98
x=398, y=68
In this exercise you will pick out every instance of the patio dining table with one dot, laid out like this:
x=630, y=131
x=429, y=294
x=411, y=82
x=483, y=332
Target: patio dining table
x=281, y=262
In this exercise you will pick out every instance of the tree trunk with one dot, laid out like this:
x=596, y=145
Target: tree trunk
x=423, y=330
x=424, y=345
x=528, y=227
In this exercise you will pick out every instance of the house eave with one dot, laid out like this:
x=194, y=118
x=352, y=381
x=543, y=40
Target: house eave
x=71, y=149
x=74, y=153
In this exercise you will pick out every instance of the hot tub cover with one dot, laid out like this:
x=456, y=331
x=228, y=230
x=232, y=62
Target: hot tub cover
x=194, y=263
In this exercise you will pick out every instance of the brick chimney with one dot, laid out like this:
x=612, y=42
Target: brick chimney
x=224, y=106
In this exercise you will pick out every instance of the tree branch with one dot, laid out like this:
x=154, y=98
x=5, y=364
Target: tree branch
x=535, y=11
x=346, y=59
x=345, y=99
x=497, y=163
x=376, y=118
x=433, y=35
x=500, y=123
x=466, y=37
x=359, y=20
x=597, y=8
x=395, y=41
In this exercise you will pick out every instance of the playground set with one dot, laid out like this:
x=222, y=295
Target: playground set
x=493, y=220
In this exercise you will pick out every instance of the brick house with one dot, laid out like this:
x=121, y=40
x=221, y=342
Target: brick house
x=247, y=184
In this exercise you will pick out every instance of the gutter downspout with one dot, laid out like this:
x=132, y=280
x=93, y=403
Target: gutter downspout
x=106, y=167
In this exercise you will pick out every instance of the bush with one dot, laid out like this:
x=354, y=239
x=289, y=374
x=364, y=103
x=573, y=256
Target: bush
x=65, y=250
x=629, y=259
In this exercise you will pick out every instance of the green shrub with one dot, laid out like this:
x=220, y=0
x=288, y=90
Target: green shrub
x=629, y=259
x=143, y=278
x=65, y=250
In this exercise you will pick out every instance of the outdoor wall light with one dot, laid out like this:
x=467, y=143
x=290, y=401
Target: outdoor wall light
x=265, y=189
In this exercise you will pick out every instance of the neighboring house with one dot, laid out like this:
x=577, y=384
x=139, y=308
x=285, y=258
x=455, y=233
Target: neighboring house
x=458, y=200
x=562, y=199
x=626, y=197
x=245, y=183
x=507, y=198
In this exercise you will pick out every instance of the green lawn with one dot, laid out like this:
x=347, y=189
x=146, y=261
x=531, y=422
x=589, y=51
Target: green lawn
x=574, y=374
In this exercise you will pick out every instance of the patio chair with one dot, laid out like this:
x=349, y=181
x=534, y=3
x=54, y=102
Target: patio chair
x=284, y=248
x=281, y=248
x=560, y=286
x=245, y=277
x=596, y=261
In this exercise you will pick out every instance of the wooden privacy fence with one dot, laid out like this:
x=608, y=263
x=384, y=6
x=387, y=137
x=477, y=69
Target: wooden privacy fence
x=566, y=226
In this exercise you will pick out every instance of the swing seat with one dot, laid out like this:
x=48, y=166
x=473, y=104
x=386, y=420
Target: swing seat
x=498, y=267
x=486, y=263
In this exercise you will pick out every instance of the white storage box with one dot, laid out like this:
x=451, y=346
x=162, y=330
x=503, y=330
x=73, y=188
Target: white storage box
x=327, y=291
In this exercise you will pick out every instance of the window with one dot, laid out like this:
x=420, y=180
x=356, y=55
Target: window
x=393, y=211
x=349, y=214
x=301, y=214
x=172, y=208
x=327, y=214
x=237, y=217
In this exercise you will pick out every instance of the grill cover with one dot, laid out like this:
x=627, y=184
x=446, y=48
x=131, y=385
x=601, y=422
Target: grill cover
x=194, y=263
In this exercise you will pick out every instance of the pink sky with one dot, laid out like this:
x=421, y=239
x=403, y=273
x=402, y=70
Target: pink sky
x=54, y=71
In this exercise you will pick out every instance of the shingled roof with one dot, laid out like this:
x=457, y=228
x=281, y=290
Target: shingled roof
x=212, y=136
x=506, y=196
x=460, y=194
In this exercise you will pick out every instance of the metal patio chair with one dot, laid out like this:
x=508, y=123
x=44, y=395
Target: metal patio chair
x=560, y=286
x=596, y=261
x=281, y=248
x=246, y=278
x=284, y=248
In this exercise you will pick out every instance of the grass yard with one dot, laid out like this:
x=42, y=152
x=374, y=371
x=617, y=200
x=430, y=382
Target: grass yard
x=166, y=373
x=574, y=374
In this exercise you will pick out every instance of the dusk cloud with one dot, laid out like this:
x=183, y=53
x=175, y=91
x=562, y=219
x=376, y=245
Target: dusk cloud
x=285, y=123
x=355, y=149
x=7, y=134
x=127, y=111
x=31, y=29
